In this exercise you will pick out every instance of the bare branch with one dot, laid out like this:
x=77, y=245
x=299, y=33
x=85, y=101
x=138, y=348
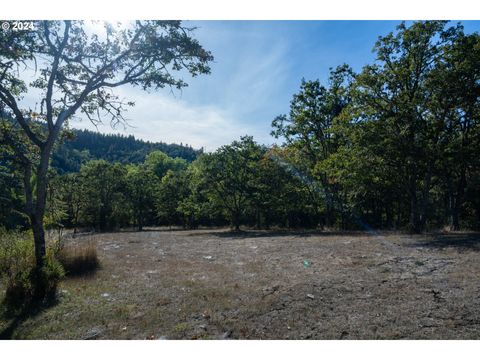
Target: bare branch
x=53, y=74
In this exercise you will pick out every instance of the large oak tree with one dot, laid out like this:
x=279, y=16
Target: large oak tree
x=76, y=72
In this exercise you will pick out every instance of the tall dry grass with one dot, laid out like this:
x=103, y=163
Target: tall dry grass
x=80, y=258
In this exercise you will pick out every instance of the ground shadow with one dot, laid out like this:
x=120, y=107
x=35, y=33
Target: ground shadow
x=149, y=229
x=16, y=318
x=460, y=241
x=126, y=231
x=82, y=273
x=243, y=234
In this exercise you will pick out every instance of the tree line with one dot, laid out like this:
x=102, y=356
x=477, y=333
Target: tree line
x=394, y=146
x=243, y=183
x=84, y=145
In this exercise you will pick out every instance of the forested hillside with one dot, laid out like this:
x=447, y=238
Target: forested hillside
x=89, y=145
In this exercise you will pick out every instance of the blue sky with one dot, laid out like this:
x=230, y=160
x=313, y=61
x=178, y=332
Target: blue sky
x=258, y=67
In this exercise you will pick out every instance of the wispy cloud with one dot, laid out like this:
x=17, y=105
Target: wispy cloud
x=237, y=98
x=162, y=117
x=258, y=66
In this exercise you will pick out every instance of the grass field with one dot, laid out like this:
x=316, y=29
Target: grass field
x=215, y=284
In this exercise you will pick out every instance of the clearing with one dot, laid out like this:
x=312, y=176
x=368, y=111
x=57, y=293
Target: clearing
x=215, y=284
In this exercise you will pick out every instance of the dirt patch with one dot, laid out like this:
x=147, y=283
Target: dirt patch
x=208, y=284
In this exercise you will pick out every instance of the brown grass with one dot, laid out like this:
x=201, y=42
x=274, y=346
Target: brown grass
x=79, y=259
x=207, y=284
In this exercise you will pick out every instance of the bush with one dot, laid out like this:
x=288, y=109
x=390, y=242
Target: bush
x=34, y=287
x=79, y=259
x=17, y=254
x=26, y=285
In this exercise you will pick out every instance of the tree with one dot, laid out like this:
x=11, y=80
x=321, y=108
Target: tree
x=308, y=128
x=367, y=183
x=282, y=195
x=172, y=189
x=77, y=72
x=397, y=92
x=104, y=187
x=11, y=197
x=140, y=183
x=195, y=207
x=159, y=163
x=71, y=189
x=455, y=88
x=56, y=208
x=230, y=174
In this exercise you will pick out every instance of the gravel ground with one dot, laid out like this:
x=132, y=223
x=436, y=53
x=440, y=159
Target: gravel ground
x=215, y=284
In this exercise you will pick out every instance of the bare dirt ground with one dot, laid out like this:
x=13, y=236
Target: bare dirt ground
x=214, y=284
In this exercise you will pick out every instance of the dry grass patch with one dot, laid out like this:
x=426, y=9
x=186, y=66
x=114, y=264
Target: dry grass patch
x=161, y=285
x=80, y=258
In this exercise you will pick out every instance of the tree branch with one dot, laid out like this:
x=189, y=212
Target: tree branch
x=9, y=100
x=53, y=74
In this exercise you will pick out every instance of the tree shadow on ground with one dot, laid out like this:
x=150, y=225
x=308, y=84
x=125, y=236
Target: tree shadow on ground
x=465, y=241
x=150, y=229
x=127, y=231
x=83, y=273
x=243, y=234
x=15, y=318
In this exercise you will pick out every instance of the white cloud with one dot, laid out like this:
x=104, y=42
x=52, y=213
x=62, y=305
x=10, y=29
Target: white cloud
x=240, y=97
x=162, y=117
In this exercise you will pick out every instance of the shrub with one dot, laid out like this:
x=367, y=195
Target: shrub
x=79, y=259
x=34, y=287
x=26, y=285
x=17, y=254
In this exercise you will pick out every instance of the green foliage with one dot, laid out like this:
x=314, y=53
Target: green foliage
x=76, y=71
x=56, y=208
x=11, y=176
x=230, y=176
x=195, y=207
x=16, y=253
x=285, y=196
x=172, y=189
x=160, y=163
x=309, y=133
x=104, y=203
x=26, y=285
x=140, y=184
x=87, y=145
x=393, y=146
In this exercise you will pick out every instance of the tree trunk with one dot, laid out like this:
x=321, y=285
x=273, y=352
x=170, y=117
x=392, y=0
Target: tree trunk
x=236, y=220
x=36, y=222
x=328, y=212
x=75, y=220
x=454, y=219
x=39, y=239
x=41, y=199
x=424, y=209
x=414, y=223
x=389, y=215
x=140, y=221
x=455, y=202
x=258, y=219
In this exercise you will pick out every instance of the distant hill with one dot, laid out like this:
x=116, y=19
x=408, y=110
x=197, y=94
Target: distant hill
x=88, y=145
